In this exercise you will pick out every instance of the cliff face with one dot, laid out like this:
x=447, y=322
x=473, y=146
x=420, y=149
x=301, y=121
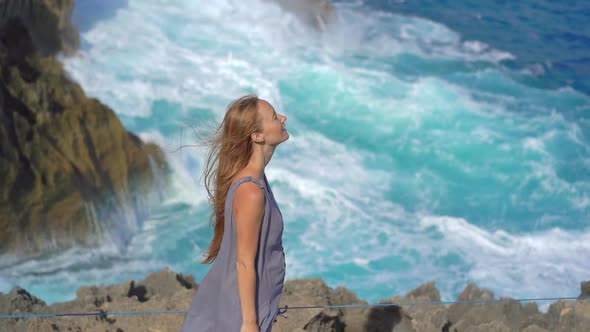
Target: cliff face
x=48, y=22
x=70, y=172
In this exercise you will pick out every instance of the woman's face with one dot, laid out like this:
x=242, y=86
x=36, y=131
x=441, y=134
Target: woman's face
x=273, y=124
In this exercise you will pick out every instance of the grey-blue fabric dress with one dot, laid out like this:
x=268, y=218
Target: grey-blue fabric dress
x=216, y=306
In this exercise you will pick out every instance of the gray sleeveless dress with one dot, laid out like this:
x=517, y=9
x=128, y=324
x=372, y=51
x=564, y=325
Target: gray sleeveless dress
x=216, y=306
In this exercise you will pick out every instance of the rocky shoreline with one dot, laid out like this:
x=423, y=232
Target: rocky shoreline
x=167, y=290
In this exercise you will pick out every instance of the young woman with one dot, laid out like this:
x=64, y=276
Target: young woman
x=242, y=290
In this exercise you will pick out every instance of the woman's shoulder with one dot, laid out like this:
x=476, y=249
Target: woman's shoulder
x=248, y=201
x=249, y=192
x=249, y=188
x=247, y=177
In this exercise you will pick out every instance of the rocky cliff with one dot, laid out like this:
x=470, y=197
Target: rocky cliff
x=70, y=172
x=48, y=22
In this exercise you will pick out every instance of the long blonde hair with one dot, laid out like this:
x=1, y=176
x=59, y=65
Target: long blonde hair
x=230, y=148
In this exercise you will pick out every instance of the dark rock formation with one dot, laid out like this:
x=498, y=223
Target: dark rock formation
x=48, y=22
x=317, y=13
x=71, y=173
x=585, y=289
x=166, y=290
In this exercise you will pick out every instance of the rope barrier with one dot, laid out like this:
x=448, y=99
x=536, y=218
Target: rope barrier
x=283, y=311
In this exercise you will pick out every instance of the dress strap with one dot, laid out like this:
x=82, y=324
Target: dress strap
x=234, y=186
x=248, y=178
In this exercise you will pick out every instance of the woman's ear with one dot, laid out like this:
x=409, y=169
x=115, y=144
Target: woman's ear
x=257, y=137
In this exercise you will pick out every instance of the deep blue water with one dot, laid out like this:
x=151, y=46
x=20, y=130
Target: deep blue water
x=550, y=39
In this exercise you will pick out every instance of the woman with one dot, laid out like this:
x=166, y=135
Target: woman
x=242, y=290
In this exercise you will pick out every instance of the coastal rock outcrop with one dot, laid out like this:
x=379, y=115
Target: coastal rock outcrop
x=48, y=22
x=71, y=173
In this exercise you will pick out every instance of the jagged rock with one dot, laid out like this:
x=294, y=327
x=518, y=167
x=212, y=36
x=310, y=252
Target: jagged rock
x=71, y=173
x=585, y=289
x=317, y=13
x=510, y=315
x=471, y=293
x=411, y=317
x=164, y=284
x=304, y=292
x=427, y=293
x=474, y=293
x=187, y=282
x=108, y=298
x=426, y=317
x=354, y=318
x=19, y=300
x=570, y=315
x=48, y=22
x=99, y=295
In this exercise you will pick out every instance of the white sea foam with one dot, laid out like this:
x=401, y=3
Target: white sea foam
x=543, y=264
x=379, y=34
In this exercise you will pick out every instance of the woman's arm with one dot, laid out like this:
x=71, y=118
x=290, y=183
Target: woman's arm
x=248, y=211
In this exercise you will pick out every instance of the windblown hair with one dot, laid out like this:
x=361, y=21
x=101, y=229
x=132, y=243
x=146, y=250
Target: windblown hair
x=230, y=148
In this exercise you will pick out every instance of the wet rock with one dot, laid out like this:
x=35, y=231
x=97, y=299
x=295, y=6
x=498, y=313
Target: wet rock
x=71, y=173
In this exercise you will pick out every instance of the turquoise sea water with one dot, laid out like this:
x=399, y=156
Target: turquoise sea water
x=416, y=153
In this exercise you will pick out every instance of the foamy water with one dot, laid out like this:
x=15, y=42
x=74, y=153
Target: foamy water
x=413, y=156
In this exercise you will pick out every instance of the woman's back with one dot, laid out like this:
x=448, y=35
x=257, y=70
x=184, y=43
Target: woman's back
x=216, y=306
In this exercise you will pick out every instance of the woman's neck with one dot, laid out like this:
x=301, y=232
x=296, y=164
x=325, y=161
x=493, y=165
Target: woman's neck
x=260, y=158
